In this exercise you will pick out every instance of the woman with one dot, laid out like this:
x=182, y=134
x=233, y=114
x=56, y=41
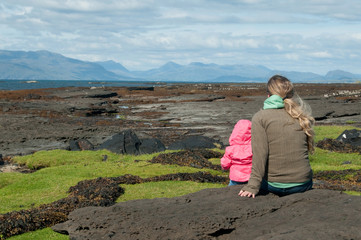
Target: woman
x=282, y=137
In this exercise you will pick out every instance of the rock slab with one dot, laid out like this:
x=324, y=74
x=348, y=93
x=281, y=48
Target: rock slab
x=222, y=214
x=352, y=137
x=127, y=142
x=195, y=142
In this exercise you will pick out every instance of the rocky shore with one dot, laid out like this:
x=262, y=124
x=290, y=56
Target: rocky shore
x=44, y=119
x=68, y=118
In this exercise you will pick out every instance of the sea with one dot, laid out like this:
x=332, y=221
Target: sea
x=32, y=84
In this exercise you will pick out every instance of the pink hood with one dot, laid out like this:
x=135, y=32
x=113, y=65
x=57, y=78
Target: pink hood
x=238, y=156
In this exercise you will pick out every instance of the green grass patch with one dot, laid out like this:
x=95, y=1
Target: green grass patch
x=51, y=183
x=332, y=131
x=45, y=234
x=353, y=193
x=163, y=189
x=61, y=157
x=324, y=160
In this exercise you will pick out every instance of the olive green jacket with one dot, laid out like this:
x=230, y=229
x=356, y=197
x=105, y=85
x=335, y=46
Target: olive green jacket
x=279, y=148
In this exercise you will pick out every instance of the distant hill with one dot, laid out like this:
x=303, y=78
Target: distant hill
x=341, y=75
x=200, y=72
x=301, y=76
x=44, y=65
x=115, y=67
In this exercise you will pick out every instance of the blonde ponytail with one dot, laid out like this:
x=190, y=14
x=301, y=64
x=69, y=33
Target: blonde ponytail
x=294, y=106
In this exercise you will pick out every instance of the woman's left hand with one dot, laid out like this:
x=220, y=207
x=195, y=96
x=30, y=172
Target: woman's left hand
x=246, y=194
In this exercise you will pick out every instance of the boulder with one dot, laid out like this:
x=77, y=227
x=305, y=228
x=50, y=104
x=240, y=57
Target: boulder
x=80, y=145
x=338, y=146
x=151, y=145
x=352, y=137
x=125, y=142
x=102, y=94
x=195, y=142
x=100, y=111
x=140, y=88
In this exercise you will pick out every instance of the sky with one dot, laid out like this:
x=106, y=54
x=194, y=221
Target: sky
x=290, y=35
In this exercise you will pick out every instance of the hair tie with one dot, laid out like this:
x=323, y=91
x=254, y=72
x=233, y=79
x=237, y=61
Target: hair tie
x=284, y=98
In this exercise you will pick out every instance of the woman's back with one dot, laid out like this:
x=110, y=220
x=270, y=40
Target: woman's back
x=285, y=144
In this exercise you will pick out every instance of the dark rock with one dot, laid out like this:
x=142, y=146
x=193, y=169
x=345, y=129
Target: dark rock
x=195, y=142
x=125, y=142
x=85, y=145
x=221, y=214
x=324, y=116
x=71, y=109
x=192, y=158
x=352, y=137
x=211, y=99
x=73, y=145
x=346, y=115
x=99, y=111
x=340, y=113
x=343, y=180
x=141, y=88
x=102, y=95
x=1, y=160
x=151, y=145
x=338, y=146
x=33, y=96
x=79, y=145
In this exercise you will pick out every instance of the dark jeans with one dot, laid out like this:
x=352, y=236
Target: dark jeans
x=266, y=188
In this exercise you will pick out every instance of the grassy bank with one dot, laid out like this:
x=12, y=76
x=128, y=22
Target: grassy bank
x=58, y=170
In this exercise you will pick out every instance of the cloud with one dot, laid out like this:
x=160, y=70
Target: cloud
x=142, y=34
x=323, y=54
x=9, y=11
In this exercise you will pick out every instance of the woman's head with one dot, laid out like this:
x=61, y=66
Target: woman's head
x=281, y=86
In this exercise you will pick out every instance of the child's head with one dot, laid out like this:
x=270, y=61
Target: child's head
x=241, y=132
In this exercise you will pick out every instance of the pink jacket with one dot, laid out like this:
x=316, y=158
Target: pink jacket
x=238, y=156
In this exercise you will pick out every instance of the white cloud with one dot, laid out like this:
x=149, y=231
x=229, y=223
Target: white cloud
x=292, y=56
x=173, y=13
x=142, y=34
x=10, y=11
x=356, y=36
x=321, y=54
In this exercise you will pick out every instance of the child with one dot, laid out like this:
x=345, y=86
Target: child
x=238, y=156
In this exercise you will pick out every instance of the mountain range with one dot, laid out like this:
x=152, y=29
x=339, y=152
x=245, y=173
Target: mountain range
x=45, y=65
